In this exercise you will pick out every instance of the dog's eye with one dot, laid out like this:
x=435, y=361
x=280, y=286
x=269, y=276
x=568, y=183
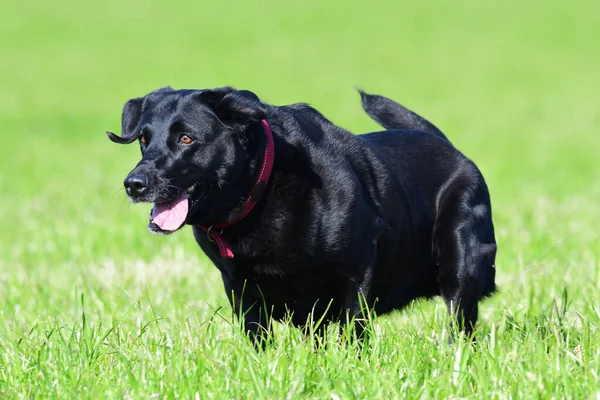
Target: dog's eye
x=185, y=139
x=143, y=139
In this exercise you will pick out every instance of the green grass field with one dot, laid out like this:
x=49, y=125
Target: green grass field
x=93, y=306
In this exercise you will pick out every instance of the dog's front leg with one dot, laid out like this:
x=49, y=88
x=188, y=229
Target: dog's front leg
x=358, y=293
x=357, y=302
x=251, y=312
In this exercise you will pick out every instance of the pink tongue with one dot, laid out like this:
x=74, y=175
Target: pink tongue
x=170, y=216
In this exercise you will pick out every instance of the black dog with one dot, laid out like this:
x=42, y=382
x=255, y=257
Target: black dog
x=305, y=219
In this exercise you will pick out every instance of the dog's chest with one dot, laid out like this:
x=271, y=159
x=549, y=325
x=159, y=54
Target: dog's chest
x=297, y=287
x=269, y=241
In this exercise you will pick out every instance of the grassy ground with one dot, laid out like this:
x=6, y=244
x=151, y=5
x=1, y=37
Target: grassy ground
x=94, y=307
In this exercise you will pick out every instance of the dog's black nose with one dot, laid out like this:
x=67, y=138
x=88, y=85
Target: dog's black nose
x=136, y=185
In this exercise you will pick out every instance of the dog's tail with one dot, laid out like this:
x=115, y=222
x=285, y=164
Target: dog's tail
x=392, y=115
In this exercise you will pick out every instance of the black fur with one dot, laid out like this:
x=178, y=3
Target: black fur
x=387, y=216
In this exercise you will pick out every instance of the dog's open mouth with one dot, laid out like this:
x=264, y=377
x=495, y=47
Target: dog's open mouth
x=171, y=215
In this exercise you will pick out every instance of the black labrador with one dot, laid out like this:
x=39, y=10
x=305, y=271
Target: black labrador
x=306, y=220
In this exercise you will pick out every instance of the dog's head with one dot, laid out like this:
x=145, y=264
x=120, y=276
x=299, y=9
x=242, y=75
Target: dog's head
x=194, y=146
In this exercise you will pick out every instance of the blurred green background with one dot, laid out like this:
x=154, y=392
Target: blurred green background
x=513, y=84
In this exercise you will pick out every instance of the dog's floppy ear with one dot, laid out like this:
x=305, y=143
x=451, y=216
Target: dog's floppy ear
x=130, y=119
x=235, y=108
x=132, y=112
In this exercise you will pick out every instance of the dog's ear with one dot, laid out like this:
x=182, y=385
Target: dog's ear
x=132, y=112
x=235, y=108
x=130, y=118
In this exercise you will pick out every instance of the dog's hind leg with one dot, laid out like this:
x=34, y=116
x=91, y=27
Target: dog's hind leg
x=465, y=248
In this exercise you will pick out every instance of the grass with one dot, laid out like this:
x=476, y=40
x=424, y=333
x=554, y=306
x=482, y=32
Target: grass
x=95, y=307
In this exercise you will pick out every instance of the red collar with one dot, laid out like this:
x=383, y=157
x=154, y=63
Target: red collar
x=253, y=197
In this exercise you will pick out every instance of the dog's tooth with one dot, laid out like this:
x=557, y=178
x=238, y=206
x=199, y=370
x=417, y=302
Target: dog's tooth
x=192, y=188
